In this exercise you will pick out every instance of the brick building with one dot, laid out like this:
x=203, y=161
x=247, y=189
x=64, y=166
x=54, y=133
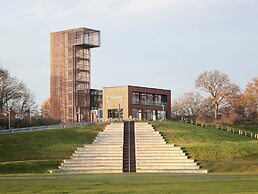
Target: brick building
x=140, y=103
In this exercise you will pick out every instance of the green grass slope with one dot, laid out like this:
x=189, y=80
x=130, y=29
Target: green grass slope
x=246, y=127
x=216, y=150
x=38, y=151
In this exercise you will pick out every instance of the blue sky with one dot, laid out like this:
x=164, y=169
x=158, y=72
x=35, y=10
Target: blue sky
x=155, y=43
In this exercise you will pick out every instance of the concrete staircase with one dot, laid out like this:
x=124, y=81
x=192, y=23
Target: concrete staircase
x=104, y=155
x=154, y=155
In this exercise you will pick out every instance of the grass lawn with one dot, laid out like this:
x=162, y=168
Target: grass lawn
x=38, y=151
x=216, y=150
x=130, y=183
x=247, y=127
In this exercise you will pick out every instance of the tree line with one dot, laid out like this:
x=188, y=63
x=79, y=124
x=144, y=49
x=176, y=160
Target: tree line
x=17, y=104
x=223, y=102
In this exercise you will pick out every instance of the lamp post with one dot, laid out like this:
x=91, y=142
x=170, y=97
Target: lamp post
x=9, y=119
x=119, y=116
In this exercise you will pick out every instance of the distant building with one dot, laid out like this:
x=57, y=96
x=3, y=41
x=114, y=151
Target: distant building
x=138, y=103
x=96, y=105
x=70, y=73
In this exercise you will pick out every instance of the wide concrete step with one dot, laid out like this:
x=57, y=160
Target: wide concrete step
x=97, y=153
x=150, y=141
x=118, y=143
x=147, y=131
x=168, y=167
x=104, y=167
x=159, y=152
x=167, y=157
x=166, y=164
x=149, y=138
x=112, y=152
x=138, y=142
x=112, y=131
x=157, y=148
x=161, y=156
x=86, y=157
x=108, y=142
x=114, y=134
x=92, y=160
x=84, y=171
x=153, y=146
x=92, y=165
x=113, y=128
x=158, y=160
x=110, y=137
x=100, y=148
x=103, y=145
x=179, y=171
x=148, y=135
x=75, y=162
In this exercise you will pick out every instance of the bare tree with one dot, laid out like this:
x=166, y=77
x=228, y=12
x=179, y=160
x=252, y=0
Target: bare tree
x=45, y=109
x=249, y=99
x=219, y=87
x=188, y=104
x=14, y=94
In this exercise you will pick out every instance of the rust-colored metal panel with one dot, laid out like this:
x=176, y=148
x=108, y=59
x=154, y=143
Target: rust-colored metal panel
x=70, y=73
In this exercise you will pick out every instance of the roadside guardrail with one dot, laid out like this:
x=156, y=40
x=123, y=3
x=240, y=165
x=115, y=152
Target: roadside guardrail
x=45, y=127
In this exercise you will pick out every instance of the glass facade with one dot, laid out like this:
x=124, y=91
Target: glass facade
x=149, y=99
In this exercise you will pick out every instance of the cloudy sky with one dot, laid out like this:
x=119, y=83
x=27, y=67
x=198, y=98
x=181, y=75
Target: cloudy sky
x=155, y=43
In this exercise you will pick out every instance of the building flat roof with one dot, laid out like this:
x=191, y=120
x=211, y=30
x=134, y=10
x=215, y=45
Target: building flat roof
x=136, y=87
x=76, y=29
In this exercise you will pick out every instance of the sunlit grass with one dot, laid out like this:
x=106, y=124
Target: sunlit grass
x=216, y=150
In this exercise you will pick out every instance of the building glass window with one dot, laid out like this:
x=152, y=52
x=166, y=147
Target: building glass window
x=163, y=98
x=157, y=98
x=114, y=113
x=150, y=97
x=144, y=97
x=149, y=115
x=136, y=96
x=135, y=114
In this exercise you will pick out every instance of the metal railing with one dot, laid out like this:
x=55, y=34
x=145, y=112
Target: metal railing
x=222, y=128
x=45, y=127
x=149, y=103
